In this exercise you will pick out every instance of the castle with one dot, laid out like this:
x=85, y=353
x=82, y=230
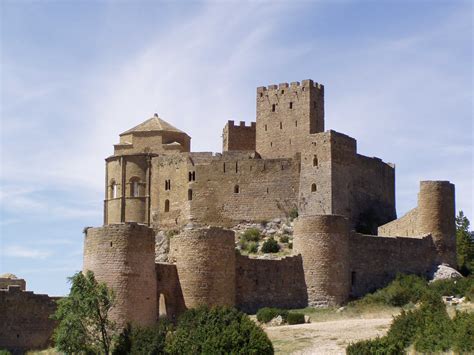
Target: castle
x=346, y=239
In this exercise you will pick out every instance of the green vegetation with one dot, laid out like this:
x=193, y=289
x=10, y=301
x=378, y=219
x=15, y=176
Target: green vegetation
x=266, y=314
x=217, y=331
x=149, y=340
x=270, y=246
x=4, y=352
x=428, y=329
x=295, y=318
x=464, y=244
x=293, y=213
x=83, y=317
x=285, y=238
x=411, y=288
x=171, y=233
x=251, y=235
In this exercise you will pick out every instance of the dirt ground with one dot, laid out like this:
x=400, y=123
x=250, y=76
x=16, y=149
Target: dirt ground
x=328, y=337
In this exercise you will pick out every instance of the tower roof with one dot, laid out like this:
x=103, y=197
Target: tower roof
x=153, y=124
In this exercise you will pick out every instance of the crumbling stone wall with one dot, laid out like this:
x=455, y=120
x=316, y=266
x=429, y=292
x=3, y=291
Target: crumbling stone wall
x=123, y=256
x=205, y=261
x=169, y=294
x=12, y=281
x=323, y=242
x=240, y=137
x=270, y=283
x=25, y=322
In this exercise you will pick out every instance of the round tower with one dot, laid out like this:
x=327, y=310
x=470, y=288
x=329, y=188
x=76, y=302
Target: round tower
x=323, y=242
x=205, y=260
x=436, y=216
x=123, y=256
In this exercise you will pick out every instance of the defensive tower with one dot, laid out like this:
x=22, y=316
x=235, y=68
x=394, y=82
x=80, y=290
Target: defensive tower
x=286, y=116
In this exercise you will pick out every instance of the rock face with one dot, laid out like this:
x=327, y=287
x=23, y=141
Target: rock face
x=162, y=247
x=444, y=272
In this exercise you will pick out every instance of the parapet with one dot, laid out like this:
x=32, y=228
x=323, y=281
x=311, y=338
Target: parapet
x=242, y=124
x=237, y=138
x=308, y=83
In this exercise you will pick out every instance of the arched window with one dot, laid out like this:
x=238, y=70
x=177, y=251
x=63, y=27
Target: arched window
x=315, y=161
x=134, y=187
x=313, y=188
x=190, y=194
x=113, y=189
x=167, y=205
x=236, y=189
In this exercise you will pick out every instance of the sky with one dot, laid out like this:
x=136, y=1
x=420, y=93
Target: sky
x=398, y=77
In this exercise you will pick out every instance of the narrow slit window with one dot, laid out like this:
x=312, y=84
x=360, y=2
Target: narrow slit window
x=190, y=194
x=194, y=176
x=315, y=161
x=273, y=107
x=296, y=123
x=190, y=176
x=236, y=189
x=281, y=125
x=291, y=105
x=167, y=205
x=224, y=167
x=313, y=188
x=283, y=91
x=265, y=128
x=236, y=167
x=271, y=144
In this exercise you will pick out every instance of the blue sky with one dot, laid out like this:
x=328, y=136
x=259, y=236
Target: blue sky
x=74, y=74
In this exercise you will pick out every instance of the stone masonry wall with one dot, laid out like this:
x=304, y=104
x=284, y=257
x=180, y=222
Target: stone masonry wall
x=205, y=261
x=240, y=137
x=270, y=283
x=405, y=226
x=169, y=294
x=375, y=261
x=286, y=116
x=24, y=320
x=123, y=256
x=5, y=282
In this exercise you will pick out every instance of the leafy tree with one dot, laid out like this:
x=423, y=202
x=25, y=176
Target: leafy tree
x=83, y=317
x=464, y=244
x=143, y=340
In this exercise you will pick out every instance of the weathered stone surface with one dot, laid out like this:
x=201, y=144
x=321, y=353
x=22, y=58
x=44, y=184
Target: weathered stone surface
x=162, y=247
x=444, y=272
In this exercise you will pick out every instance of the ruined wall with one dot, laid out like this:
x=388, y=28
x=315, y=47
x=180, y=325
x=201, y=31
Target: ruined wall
x=123, y=256
x=205, y=261
x=405, y=226
x=24, y=320
x=270, y=283
x=238, y=137
x=169, y=294
x=7, y=281
x=286, y=115
x=375, y=261
x=323, y=242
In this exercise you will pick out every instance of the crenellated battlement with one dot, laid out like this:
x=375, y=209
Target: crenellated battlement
x=242, y=124
x=293, y=85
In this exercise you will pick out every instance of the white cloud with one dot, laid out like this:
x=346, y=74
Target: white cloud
x=18, y=251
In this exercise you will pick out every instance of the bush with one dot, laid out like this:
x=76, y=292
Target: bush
x=266, y=314
x=251, y=235
x=454, y=287
x=252, y=247
x=4, y=352
x=463, y=332
x=293, y=213
x=290, y=245
x=149, y=340
x=374, y=346
x=295, y=318
x=270, y=246
x=284, y=238
x=217, y=331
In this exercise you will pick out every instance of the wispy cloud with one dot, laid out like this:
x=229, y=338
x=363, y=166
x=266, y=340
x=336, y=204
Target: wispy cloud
x=18, y=251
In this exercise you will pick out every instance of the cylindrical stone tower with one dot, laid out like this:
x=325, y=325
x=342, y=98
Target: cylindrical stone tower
x=323, y=242
x=436, y=215
x=205, y=260
x=123, y=256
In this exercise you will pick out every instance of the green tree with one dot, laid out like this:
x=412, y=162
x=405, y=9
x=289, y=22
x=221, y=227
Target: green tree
x=464, y=244
x=83, y=317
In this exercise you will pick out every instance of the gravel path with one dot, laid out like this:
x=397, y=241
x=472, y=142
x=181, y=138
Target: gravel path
x=329, y=337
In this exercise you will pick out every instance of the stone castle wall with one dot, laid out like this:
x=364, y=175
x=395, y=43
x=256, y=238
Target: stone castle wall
x=323, y=242
x=405, y=226
x=123, y=256
x=205, y=263
x=375, y=261
x=240, y=137
x=24, y=319
x=169, y=293
x=286, y=115
x=270, y=283
x=5, y=282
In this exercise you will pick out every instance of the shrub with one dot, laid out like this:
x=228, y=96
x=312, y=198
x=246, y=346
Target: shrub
x=454, y=287
x=270, y=246
x=293, y=213
x=4, y=352
x=266, y=314
x=284, y=238
x=149, y=340
x=295, y=318
x=374, y=346
x=217, y=331
x=404, y=328
x=252, y=247
x=463, y=332
x=251, y=235
x=290, y=245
